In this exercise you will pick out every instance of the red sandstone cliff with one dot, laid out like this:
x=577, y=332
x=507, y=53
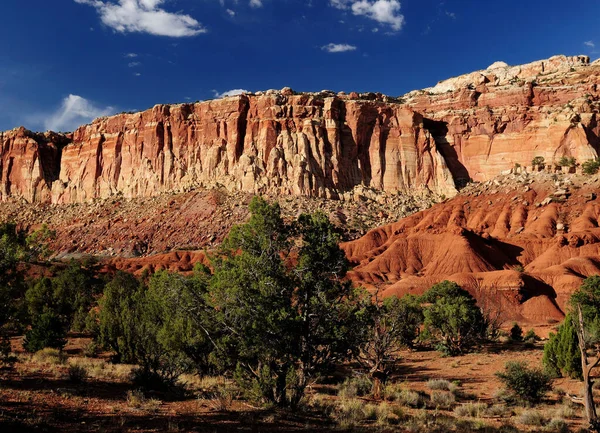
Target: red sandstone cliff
x=470, y=127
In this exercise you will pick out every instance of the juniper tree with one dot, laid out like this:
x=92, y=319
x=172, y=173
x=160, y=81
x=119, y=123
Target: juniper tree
x=282, y=310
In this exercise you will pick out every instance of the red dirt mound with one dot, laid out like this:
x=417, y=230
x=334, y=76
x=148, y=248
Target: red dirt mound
x=523, y=243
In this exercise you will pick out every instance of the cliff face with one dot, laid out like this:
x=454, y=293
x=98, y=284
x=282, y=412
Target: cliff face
x=298, y=145
x=488, y=121
x=470, y=127
x=29, y=164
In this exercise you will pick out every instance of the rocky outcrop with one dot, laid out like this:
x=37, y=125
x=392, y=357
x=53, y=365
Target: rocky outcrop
x=310, y=145
x=29, y=164
x=320, y=144
x=487, y=121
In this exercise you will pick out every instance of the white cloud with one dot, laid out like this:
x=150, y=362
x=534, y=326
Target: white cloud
x=382, y=11
x=231, y=13
x=133, y=64
x=130, y=55
x=590, y=44
x=338, y=48
x=144, y=16
x=73, y=112
x=233, y=92
x=256, y=3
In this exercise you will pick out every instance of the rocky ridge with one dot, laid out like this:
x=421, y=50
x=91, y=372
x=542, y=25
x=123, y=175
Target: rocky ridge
x=319, y=144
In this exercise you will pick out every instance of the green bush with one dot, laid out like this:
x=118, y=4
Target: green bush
x=529, y=385
x=566, y=161
x=359, y=386
x=562, y=356
x=516, y=332
x=153, y=326
x=538, y=161
x=453, y=321
x=47, y=330
x=591, y=166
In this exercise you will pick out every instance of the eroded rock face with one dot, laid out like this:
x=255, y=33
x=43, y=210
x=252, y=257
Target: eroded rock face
x=487, y=121
x=321, y=144
x=29, y=164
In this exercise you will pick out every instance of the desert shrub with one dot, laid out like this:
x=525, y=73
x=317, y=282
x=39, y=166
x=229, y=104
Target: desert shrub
x=538, y=161
x=350, y=413
x=222, y=396
x=439, y=384
x=138, y=400
x=355, y=387
x=516, y=332
x=91, y=349
x=442, y=399
x=77, y=373
x=453, y=321
x=472, y=410
x=530, y=385
x=50, y=356
x=406, y=397
x=561, y=353
x=531, y=337
x=566, y=411
x=557, y=425
x=497, y=410
x=393, y=323
x=153, y=325
x=567, y=161
x=532, y=418
x=147, y=380
x=591, y=166
x=47, y=330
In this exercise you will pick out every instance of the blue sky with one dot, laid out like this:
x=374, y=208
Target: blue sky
x=64, y=62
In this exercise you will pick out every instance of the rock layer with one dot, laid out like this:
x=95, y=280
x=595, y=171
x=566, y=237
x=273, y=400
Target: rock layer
x=320, y=144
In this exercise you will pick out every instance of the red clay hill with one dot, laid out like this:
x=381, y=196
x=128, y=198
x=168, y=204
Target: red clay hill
x=525, y=241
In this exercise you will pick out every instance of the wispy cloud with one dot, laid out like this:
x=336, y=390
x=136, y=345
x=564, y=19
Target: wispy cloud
x=590, y=44
x=383, y=11
x=338, y=48
x=144, y=16
x=233, y=92
x=256, y=3
x=73, y=112
x=130, y=55
x=133, y=64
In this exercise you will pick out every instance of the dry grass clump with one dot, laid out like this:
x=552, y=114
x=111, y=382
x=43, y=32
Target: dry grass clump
x=355, y=387
x=77, y=373
x=470, y=410
x=557, y=425
x=532, y=418
x=49, y=356
x=222, y=396
x=404, y=396
x=99, y=369
x=137, y=400
x=566, y=411
x=350, y=413
x=442, y=385
x=443, y=399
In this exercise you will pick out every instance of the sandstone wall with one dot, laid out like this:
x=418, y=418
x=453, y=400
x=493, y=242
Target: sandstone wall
x=322, y=144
